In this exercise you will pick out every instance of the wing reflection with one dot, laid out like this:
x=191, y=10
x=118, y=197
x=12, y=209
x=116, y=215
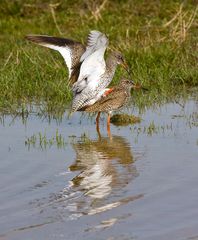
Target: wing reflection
x=105, y=165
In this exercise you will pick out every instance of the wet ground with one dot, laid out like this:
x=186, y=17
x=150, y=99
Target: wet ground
x=61, y=180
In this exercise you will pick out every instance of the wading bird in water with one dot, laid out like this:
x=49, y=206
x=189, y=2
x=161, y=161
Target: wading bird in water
x=89, y=73
x=114, y=100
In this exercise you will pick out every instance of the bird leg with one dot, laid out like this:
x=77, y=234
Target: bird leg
x=98, y=132
x=108, y=125
x=97, y=122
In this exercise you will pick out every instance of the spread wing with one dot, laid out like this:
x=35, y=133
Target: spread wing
x=95, y=41
x=93, y=63
x=69, y=49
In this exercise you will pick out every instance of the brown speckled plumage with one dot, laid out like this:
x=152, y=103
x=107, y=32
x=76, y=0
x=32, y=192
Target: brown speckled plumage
x=114, y=100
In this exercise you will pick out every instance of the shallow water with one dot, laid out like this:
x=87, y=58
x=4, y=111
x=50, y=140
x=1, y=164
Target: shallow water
x=139, y=184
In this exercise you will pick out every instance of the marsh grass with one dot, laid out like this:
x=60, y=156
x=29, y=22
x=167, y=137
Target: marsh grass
x=158, y=38
x=41, y=141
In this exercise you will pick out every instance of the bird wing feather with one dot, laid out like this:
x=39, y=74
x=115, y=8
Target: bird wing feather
x=93, y=63
x=96, y=40
x=67, y=48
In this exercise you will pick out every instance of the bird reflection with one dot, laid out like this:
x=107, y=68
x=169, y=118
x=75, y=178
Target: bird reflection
x=105, y=166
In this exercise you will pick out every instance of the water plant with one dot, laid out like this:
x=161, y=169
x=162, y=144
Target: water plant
x=40, y=140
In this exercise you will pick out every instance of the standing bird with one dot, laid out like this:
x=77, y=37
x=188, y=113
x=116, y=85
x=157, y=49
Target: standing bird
x=115, y=99
x=89, y=75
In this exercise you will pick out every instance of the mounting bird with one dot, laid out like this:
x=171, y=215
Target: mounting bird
x=89, y=74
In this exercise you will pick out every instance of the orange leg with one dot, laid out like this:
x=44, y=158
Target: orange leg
x=108, y=125
x=97, y=121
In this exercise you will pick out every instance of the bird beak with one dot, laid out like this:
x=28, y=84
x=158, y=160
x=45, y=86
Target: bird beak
x=139, y=86
x=126, y=67
x=136, y=86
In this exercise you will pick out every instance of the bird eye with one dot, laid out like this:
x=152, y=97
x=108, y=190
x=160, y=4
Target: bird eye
x=120, y=58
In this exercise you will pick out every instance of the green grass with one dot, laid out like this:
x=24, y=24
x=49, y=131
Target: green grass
x=158, y=38
x=41, y=141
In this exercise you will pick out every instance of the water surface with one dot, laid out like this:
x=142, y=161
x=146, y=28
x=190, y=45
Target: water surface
x=139, y=184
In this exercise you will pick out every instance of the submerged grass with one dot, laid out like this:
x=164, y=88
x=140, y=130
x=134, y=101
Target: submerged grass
x=41, y=141
x=158, y=38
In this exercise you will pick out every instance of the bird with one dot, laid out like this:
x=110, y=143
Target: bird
x=91, y=94
x=115, y=99
x=89, y=73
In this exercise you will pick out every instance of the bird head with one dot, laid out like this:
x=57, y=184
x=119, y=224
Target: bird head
x=120, y=60
x=126, y=83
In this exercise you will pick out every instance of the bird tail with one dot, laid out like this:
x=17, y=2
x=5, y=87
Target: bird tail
x=77, y=104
